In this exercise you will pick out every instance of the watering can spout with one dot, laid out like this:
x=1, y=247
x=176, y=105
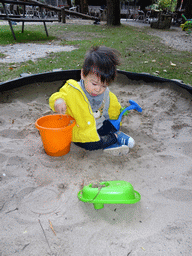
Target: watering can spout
x=133, y=105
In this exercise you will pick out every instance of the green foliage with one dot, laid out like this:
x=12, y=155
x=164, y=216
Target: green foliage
x=169, y=5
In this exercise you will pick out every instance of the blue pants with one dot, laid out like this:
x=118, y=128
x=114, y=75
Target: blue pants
x=107, y=138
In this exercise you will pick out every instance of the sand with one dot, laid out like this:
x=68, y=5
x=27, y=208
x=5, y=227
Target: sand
x=38, y=190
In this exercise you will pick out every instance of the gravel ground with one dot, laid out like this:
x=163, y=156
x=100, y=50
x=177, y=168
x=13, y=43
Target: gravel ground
x=25, y=52
x=174, y=37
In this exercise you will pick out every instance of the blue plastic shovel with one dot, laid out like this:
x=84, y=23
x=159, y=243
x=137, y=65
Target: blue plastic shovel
x=134, y=105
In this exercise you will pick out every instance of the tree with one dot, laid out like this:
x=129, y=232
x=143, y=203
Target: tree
x=169, y=5
x=188, y=9
x=83, y=6
x=113, y=13
x=144, y=3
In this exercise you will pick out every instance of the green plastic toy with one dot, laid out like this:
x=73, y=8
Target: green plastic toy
x=109, y=192
x=187, y=25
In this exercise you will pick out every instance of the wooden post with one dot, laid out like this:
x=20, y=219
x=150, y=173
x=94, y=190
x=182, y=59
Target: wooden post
x=45, y=28
x=59, y=16
x=63, y=17
x=10, y=23
x=23, y=17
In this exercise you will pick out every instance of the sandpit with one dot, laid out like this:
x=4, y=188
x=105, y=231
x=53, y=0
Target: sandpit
x=39, y=209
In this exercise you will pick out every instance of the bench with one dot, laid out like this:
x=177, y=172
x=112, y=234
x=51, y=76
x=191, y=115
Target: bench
x=38, y=16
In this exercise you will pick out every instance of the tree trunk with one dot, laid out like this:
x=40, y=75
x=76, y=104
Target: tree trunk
x=188, y=9
x=144, y=3
x=69, y=3
x=84, y=6
x=113, y=12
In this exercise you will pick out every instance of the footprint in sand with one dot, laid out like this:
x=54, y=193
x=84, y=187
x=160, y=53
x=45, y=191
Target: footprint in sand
x=14, y=134
x=2, y=121
x=178, y=194
x=43, y=200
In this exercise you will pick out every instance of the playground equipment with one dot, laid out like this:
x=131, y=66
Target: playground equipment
x=34, y=11
x=76, y=75
x=187, y=25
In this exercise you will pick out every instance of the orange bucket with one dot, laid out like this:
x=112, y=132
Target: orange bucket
x=56, y=133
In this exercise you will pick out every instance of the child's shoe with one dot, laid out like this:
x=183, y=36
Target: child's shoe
x=117, y=150
x=124, y=139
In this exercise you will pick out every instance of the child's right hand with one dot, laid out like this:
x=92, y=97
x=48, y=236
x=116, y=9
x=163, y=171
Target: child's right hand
x=60, y=106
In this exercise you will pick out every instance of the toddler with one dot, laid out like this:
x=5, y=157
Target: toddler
x=92, y=104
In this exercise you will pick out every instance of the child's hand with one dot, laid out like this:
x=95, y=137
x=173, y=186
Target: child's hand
x=60, y=106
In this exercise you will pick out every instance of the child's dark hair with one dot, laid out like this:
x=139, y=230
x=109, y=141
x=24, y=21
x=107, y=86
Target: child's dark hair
x=101, y=61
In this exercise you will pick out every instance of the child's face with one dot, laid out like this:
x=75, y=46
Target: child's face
x=93, y=84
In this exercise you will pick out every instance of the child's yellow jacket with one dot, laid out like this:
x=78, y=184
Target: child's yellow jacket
x=79, y=108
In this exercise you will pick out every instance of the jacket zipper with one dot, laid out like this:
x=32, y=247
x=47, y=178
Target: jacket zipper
x=89, y=106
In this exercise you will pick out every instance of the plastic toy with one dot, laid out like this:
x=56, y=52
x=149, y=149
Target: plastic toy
x=109, y=192
x=134, y=105
x=124, y=113
x=187, y=25
x=56, y=133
